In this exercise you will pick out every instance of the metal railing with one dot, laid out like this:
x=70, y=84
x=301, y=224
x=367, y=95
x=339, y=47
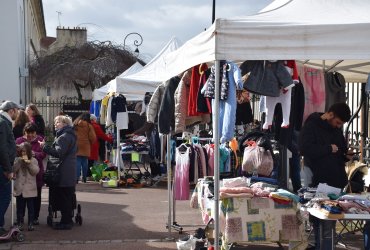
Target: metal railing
x=49, y=109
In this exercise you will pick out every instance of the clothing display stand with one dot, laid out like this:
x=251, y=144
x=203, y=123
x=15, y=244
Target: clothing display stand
x=169, y=185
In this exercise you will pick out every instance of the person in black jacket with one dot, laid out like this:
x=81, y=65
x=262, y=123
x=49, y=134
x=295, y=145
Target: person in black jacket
x=325, y=152
x=8, y=113
x=62, y=153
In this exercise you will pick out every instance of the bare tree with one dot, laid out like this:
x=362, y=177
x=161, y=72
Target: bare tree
x=91, y=65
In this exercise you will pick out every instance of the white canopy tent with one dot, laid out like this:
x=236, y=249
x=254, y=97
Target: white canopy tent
x=111, y=86
x=330, y=30
x=137, y=80
x=147, y=79
x=332, y=34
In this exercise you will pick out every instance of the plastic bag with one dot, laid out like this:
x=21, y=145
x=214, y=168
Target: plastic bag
x=257, y=159
x=188, y=244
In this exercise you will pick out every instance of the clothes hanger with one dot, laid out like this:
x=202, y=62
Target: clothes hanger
x=182, y=148
x=201, y=72
x=194, y=140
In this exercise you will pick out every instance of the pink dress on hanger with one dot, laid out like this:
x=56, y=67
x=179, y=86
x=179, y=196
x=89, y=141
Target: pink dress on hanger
x=314, y=90
x=181, y=189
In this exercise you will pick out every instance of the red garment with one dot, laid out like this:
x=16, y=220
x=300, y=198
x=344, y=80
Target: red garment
x=292, y=68
x=94, y=153
x=194, y=88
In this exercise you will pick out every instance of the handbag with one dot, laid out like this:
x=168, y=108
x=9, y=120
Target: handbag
x=257, y=159
x=51, y=175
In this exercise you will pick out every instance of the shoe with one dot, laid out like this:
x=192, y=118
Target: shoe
x=30, y=227
x=84, y=180
x=62, y=226
x=36, y=222
x=20, y=226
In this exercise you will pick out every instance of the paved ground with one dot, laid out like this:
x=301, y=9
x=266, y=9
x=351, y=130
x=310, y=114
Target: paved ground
x=123, y=218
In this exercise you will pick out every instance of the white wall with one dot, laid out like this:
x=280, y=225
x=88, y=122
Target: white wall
x=10, y=44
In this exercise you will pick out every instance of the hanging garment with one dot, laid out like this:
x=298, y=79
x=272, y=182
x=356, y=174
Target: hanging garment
x=244, y=114
x=297, y=109
x=335, y=89
x=182, y=120
x=314, y=90
x=203, y=103
x=195, y=81
x=108, y=118
x=210, y=159
x=155, y=103
x=209, y=87
x=118, y=106
x=166, y=115
x=266, y=77
x=285, y=100
x=228, y=107
x=181, y=175
x=103, y=109
x=95, y=108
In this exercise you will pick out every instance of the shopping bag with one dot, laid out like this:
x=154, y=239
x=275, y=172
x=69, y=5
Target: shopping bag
x=52, y=174
x=257, y=159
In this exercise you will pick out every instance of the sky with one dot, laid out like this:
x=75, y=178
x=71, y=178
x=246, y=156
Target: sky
x=157, y=21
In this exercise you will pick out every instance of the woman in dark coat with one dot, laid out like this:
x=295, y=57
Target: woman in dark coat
x=35, y=117
x=63, y=153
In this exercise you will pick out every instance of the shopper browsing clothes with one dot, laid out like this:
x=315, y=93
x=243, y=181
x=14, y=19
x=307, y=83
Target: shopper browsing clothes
x=85, y=138
x=31, y=137
x=94, y=153
x=25, y=188
x=325, y=152
x=63, y=153
x=8, y=113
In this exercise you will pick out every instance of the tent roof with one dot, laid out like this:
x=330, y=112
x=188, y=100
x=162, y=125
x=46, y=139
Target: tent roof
x=111, y=86
x=331, y=30
x=147, y=79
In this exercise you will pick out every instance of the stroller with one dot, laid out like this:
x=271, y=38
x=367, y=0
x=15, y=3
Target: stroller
x=54, y=207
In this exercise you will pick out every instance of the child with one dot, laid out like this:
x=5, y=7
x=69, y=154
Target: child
x=25, y=189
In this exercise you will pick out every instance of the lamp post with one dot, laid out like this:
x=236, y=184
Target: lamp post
x=137, y=43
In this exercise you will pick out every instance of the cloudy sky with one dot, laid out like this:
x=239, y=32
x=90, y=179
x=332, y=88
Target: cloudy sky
x=156, y=20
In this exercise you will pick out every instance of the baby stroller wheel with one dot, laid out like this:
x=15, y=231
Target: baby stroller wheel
x=78, y=220
x=19, y=236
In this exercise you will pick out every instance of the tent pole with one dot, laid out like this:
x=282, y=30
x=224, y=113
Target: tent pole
x=213, y=11
x=118, y=153
x=216, y=140
x=169, y=186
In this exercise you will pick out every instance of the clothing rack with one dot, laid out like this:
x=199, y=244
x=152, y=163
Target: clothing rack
x=172, y=202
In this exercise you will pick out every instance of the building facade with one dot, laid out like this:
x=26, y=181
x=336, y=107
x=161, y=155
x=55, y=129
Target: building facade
x=22, y=26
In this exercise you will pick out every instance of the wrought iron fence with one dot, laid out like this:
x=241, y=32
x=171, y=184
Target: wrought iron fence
x=49, y=109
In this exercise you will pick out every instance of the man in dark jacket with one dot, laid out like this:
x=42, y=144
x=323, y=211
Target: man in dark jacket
x=325, y=152
x=8, y=113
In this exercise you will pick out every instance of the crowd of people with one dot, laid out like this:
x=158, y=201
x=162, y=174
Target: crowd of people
x=24, y=151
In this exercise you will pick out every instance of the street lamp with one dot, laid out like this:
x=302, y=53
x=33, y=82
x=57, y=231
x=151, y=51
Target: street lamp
x=136, y=42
